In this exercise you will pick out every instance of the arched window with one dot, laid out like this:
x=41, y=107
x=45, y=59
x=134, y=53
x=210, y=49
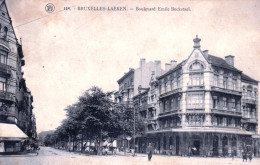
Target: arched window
x=196, y=66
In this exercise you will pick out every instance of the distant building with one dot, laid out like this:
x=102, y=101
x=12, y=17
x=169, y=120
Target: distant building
x=17, y=121
x=133, y=82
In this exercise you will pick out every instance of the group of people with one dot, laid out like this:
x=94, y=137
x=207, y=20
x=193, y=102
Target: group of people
x=247, y=155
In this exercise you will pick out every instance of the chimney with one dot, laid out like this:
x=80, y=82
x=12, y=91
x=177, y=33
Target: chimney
x=206, y=53
x=158, y=68
x=142, y=62
x=230, y=60
x=173, y=63
x=167, y=67
x=196, y=42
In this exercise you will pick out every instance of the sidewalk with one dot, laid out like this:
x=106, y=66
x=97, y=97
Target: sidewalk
x=18, y=154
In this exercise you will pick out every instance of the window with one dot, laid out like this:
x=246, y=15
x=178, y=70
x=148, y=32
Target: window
x=3, y=57
x=233, y=104
x=178, y=82
x=224, y=102
x=196, y=66
x=196, y=79
x=160, y=89
x=165, y=87
x=234, y=84
x=5, y=32
x=249, y=91
x=215, y=102
x=225, y=82
x=172, y=104
x=215, y=80
x=195, y=100
x=2, y=84
x=172, y=84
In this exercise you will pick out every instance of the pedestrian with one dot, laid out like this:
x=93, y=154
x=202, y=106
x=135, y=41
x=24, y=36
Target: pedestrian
x=244, y=155
x=189, y=151
x=250, y=155
x=150, y=152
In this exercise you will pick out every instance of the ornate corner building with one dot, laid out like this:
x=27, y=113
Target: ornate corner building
x=202, y=106
x=17, y=121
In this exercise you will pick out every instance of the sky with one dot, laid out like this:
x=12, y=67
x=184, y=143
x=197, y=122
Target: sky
x=67, y=52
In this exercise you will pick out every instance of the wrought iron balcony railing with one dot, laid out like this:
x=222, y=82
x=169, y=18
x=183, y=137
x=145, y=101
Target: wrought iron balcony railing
x=226, y=112
x=5, y=69
x=6, y=96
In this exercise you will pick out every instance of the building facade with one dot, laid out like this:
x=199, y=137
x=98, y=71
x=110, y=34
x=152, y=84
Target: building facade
x=132, y=83
x=17, y=121
x=204, y=106
x=207, y=108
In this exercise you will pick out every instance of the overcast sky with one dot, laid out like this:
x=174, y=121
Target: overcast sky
x=69, y=51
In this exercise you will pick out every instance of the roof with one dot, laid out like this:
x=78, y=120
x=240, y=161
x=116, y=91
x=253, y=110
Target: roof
x=11, y=132
x=125, y=75
x=220, y=62
x=245, y=77
x=172, y=70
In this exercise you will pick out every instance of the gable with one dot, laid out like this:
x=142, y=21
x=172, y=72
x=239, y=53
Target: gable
x=196, y=56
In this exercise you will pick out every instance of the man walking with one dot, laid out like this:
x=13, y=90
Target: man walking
x=150, y=152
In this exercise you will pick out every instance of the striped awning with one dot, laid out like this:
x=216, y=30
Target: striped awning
x=11, y=132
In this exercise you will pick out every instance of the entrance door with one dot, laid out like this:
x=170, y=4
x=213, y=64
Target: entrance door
x=215, y=146
x=196, y=147
x=177, y=145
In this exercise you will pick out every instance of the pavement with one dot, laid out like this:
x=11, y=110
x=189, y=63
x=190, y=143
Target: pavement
x=51, y=156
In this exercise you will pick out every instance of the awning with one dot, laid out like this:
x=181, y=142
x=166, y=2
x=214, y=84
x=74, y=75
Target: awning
x=11, y=132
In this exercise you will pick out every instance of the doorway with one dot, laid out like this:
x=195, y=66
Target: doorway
x=177, y=145
x=215, y=146
x=196, y=147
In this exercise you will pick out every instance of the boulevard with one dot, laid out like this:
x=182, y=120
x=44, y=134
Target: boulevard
x=49, y=155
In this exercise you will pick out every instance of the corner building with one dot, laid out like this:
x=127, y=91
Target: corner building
x=206, y=107
x=17, y=121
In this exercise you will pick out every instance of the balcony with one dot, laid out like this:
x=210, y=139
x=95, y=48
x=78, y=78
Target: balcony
x=249, y=120
x=6, y=96
x=225, y=90
x=178, y=90
x=226, y=112
x=4, y=41
x=194, y=87
x=168, y=113
x=249, y=100
x=5, y=69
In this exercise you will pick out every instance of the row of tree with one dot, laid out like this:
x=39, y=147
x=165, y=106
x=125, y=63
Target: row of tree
x=95, y=118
